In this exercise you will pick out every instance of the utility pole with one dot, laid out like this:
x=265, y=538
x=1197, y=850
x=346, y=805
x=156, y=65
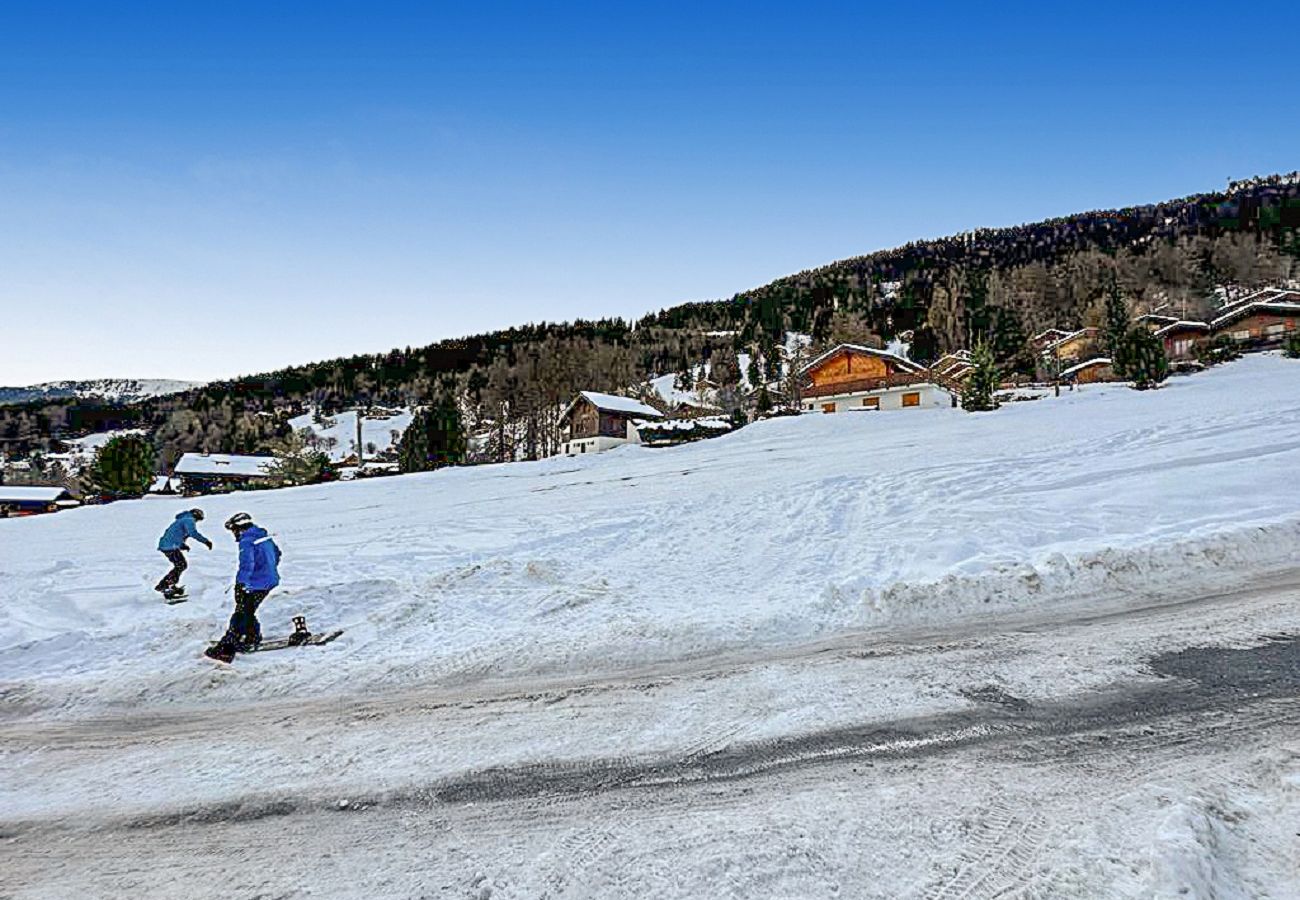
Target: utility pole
x=359, y=445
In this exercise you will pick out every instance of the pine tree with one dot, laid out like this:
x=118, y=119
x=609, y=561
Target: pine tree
x=1145, y=358
x=123, y=467
x=1117, y=328
x=435, y=438
x=764, y=402
x=982, y=382
x=1292, y=346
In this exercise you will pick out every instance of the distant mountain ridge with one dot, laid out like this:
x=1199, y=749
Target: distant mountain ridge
x=113, y=390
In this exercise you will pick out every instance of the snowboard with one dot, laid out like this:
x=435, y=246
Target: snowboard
x=281, y=643
x=179, y=598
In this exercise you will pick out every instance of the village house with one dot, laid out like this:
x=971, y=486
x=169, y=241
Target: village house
x=30, y=501
x=1094, y=370
x=852, y=377
x=953, y=366
x=1073, y=347
x=1047, y=337
x=1260, y=324
x=595, y=422
x=204, y=473
x=1180, y=338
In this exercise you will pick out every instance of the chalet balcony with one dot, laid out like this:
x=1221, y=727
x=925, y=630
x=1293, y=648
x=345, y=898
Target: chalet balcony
x=811, y=391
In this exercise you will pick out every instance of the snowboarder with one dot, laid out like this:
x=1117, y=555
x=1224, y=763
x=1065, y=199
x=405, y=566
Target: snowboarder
x=259, y=560
x=173, y=546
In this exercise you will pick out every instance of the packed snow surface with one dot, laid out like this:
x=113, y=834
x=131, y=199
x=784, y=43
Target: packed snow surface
x=785, y=531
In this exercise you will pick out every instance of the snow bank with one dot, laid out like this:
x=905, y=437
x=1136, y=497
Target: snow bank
x=788, y=530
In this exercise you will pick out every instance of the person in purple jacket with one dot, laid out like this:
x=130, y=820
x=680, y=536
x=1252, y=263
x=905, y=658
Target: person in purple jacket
x=259, y=573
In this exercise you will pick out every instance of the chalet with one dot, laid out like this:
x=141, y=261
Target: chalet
x=1074, y=347
x=852, y=377
x=1180, y=338
x=1261, y=324
x=30, y=501
x=1153, y=322
x=1096, y=369
x=594, y=422
x=203, y=473
x=953, y=366
x=1044, y=339
x=1263, y=295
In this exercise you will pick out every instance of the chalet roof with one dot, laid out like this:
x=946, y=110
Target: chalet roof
x=1240, y=312
x=615, y=404
x=1264, y=295
x=1182, y=325
x=905, y=364
x=1048, y=334
x=1087, y=364
x=1073, y=335
x=225, y=464
x=32, y=494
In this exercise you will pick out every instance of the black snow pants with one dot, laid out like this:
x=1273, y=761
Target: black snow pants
x=179, y=565
x=244, y=630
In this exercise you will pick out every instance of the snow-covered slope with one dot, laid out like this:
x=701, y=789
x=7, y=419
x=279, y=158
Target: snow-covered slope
x=786, y=531
x=116, y=390
x=337, y=435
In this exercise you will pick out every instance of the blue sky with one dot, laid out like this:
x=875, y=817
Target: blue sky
x=198, y=194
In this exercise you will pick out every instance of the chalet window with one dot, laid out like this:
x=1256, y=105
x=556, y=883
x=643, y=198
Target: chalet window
x=1241, y=335
x=1276, y=330
x=828, y=407
x=913, y=399
x=871, y=402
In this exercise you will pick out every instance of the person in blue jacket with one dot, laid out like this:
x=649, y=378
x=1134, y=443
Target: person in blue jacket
x=258, y=575
x=173, y=546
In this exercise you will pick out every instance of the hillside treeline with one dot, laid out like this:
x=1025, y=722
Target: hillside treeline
x=999, y=284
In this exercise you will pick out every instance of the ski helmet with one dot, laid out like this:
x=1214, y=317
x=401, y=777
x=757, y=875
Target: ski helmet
x=197, y=514
x=238, y=521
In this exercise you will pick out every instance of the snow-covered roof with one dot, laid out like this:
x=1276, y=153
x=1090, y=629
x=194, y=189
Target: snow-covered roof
x=225, y=464
x=1095, y=361
x=905, y=364
x=615, y=403
x=1073, y=335
x=1264, y=295
x=31, y=494
x=1240, y=312
x=1182, y=326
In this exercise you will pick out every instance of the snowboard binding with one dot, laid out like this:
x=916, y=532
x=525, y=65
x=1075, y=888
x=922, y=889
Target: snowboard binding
x=300, y=633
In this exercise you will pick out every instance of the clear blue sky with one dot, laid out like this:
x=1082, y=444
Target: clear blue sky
x=200, y=194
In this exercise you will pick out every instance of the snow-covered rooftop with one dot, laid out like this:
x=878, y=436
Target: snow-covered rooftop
x=31, y=494
x=615, y=403
x=1086, y=364
x=905, y=364
x=225, y=464
x=1241, y=311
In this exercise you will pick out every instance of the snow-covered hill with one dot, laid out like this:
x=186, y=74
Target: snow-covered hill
x=876, y=654
x=789, y=530
x=116, y=390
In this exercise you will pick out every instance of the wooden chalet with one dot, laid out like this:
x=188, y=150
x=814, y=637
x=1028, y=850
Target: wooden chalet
x=203, y=473
x=1180, y=338
x=31, y=501
x=853, y=377
x=1089, y=372
x=1075, y=346
x=1260, y=324
x=595, y=422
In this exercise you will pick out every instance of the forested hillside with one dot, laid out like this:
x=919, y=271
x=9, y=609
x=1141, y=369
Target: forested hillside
x=1001, y=284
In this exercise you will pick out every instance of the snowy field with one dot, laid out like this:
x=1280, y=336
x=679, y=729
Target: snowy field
x=788, y=531
x=731, y=606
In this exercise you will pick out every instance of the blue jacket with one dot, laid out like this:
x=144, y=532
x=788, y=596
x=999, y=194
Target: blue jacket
x=259, y=559
x=177, y=532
